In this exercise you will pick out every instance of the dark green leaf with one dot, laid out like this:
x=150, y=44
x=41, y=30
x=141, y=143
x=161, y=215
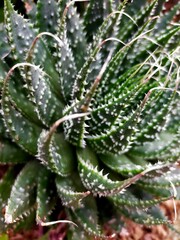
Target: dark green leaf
x=87, y=216
x=46, y=16
x=45, y=195
x=71, y=191
x=55, y=153
x=5, y=189
x=22, y=131
x=11, y=154
x=22, y=197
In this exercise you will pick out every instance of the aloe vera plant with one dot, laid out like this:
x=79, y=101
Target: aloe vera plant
x=89, y=113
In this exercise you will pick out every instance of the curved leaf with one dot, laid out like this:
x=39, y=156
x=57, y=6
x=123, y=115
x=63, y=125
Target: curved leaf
x=87, y=216
x=55, y=153
x=97, y=182
x=45, y=195
x=71, y=191
x=22, y=131
x=48, y=107
x=22, y=197
x=124, y=165
x=5, y=189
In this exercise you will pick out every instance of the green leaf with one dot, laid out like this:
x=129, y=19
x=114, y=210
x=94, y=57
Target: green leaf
x=48, y=107
x=111, y=75
x=3, y=131
x=94, y=17
x=151, y=46
x=55, y=153
x=76, y=37
x=6, y=184
x=22, y=197
x=65, y=61
x=155, y=116
x=153, y=185
x=5, y=189
x=110, y=22
x=82, y=76
x=11, y=154
x=123, y=165
x=26, y=222
x=153, y=218
x=21, y=102
x=118, y=138
x=20, y=33
x=174, y=116
x=78, y=233
x=87, y=216
x=165, y=148
x=66, y=68
x=140, y=15
x=46, y=197
x=98, y=183
x=71, y=191
x=165, y=19
x=75, y=129
x=22, y=131
x=92, y=178
x=127, y=199
x=119, y=101
x=3, y=71
x=4, y=47
x=46, y=16
x=114, y=85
